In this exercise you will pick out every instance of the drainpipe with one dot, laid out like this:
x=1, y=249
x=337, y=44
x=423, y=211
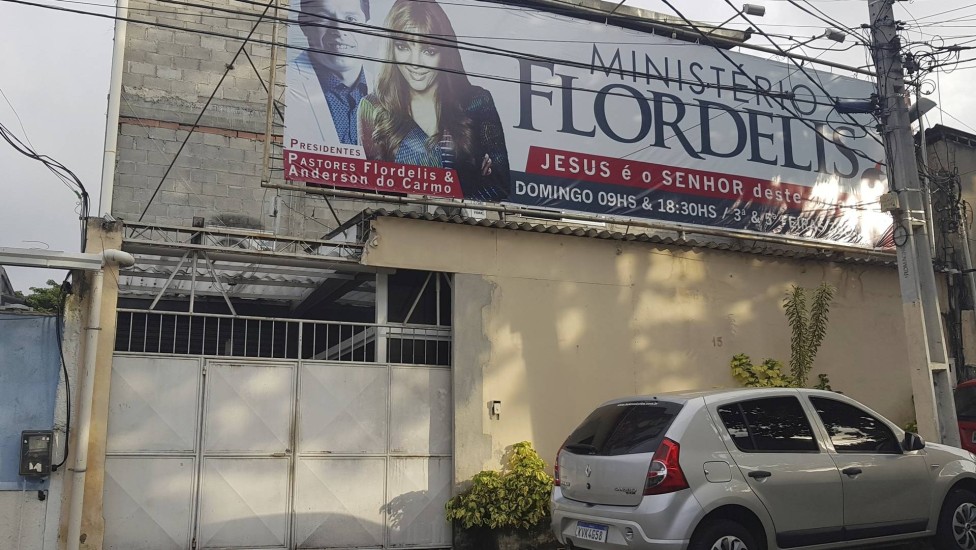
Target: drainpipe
x=114, y=104
x=85, y=393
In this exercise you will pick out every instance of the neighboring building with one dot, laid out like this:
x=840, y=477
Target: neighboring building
x=951, y=160
x=8, y=295
x=293, y=369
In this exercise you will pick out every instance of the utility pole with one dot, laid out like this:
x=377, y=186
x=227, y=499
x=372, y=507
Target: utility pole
x=935, y=410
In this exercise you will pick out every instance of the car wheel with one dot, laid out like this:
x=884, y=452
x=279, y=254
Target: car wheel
x=957, y=522
x=722, y=534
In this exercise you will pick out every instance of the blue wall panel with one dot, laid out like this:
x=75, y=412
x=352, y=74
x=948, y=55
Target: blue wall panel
x=30, y=366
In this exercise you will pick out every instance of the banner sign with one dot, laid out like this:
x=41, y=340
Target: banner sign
x=504, y=104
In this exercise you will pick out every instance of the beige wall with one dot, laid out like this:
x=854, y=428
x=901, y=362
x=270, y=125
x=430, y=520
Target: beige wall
x=553, y=325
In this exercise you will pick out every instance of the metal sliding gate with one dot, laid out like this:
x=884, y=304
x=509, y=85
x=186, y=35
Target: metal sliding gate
x=309, y=446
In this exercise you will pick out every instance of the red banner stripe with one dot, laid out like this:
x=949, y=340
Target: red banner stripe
x=371, y=175
x=645, y=175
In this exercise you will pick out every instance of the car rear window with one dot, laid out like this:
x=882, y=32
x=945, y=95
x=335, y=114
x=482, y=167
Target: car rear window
x=623, y=428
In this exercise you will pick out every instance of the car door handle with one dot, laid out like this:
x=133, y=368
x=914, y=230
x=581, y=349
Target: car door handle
x=759, y=474
x=851, y=471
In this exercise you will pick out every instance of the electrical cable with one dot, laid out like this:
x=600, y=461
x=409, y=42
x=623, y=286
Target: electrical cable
x=204, y=110
x=816, y=81
x=441, y=41
x=740, y=102
x=543, y=84
x=246, y=16
x=61, y=171
x=367, y=58
x=62, y=299
x=945, y=12
x=878, y=17
x=15, y=142
x=622, y=73
x=753, y=81
x=19, y=121
x=182, y=180
x=422, y=38
x=311, y=49
x=832, y=104
x=824, y=18
x=263, y=84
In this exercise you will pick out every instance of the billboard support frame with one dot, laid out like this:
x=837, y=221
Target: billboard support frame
x=269, y=114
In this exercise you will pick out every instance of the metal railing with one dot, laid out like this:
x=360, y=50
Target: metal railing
x=181, y=333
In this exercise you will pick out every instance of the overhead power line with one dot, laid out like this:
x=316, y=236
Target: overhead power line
x=62, y=172
x=944, y=12
x=760, y=91
x=830, y=21
x=816, y=81
x=204, y=109
x=438, y=40
x=441, y=41
x=783, y=106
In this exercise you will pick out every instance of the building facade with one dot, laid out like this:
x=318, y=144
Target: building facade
x=294, y=369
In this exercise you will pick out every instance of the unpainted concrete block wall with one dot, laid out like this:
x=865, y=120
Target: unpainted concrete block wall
x=214, y=175
x=172, y=66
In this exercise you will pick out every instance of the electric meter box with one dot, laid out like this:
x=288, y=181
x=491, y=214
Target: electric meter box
x=36, y=450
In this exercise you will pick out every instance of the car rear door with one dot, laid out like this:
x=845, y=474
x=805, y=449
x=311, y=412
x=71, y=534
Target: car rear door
x=887, y=491
x=773, y=443
x=606, y=459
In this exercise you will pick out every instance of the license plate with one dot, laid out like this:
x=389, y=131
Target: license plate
x=591, y=531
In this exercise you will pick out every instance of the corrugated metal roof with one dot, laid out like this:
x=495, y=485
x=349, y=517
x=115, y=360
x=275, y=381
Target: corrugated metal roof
x=250, y=281
x=813, y=251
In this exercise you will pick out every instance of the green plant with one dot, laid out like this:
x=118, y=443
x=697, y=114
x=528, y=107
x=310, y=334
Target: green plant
x=768, y=374
x=44, y=299
x=517, y=496
x=808, y=326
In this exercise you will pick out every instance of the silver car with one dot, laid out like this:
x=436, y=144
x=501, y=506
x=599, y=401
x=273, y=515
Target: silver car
x=756, y=469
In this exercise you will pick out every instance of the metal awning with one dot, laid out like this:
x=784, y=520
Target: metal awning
x=185, y=263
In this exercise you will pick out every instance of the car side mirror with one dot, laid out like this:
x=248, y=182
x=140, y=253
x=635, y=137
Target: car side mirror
x=913, y=442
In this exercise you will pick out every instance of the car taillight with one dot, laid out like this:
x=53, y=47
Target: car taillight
x=665, y=475
x=555, y=468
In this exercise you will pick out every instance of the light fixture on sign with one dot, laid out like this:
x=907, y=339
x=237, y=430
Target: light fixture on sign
x=829, y=33
x=755, y=10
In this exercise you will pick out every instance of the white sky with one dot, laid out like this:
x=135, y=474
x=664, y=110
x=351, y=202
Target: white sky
x=56, y=71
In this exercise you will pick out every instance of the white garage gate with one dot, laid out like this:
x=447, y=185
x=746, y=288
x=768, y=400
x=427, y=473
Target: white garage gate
x=292, y=436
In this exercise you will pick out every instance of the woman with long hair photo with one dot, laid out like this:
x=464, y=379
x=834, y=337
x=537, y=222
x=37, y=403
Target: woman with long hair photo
x=425, y=111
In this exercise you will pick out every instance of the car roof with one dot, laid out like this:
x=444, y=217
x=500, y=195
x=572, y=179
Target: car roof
x=687, y=395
